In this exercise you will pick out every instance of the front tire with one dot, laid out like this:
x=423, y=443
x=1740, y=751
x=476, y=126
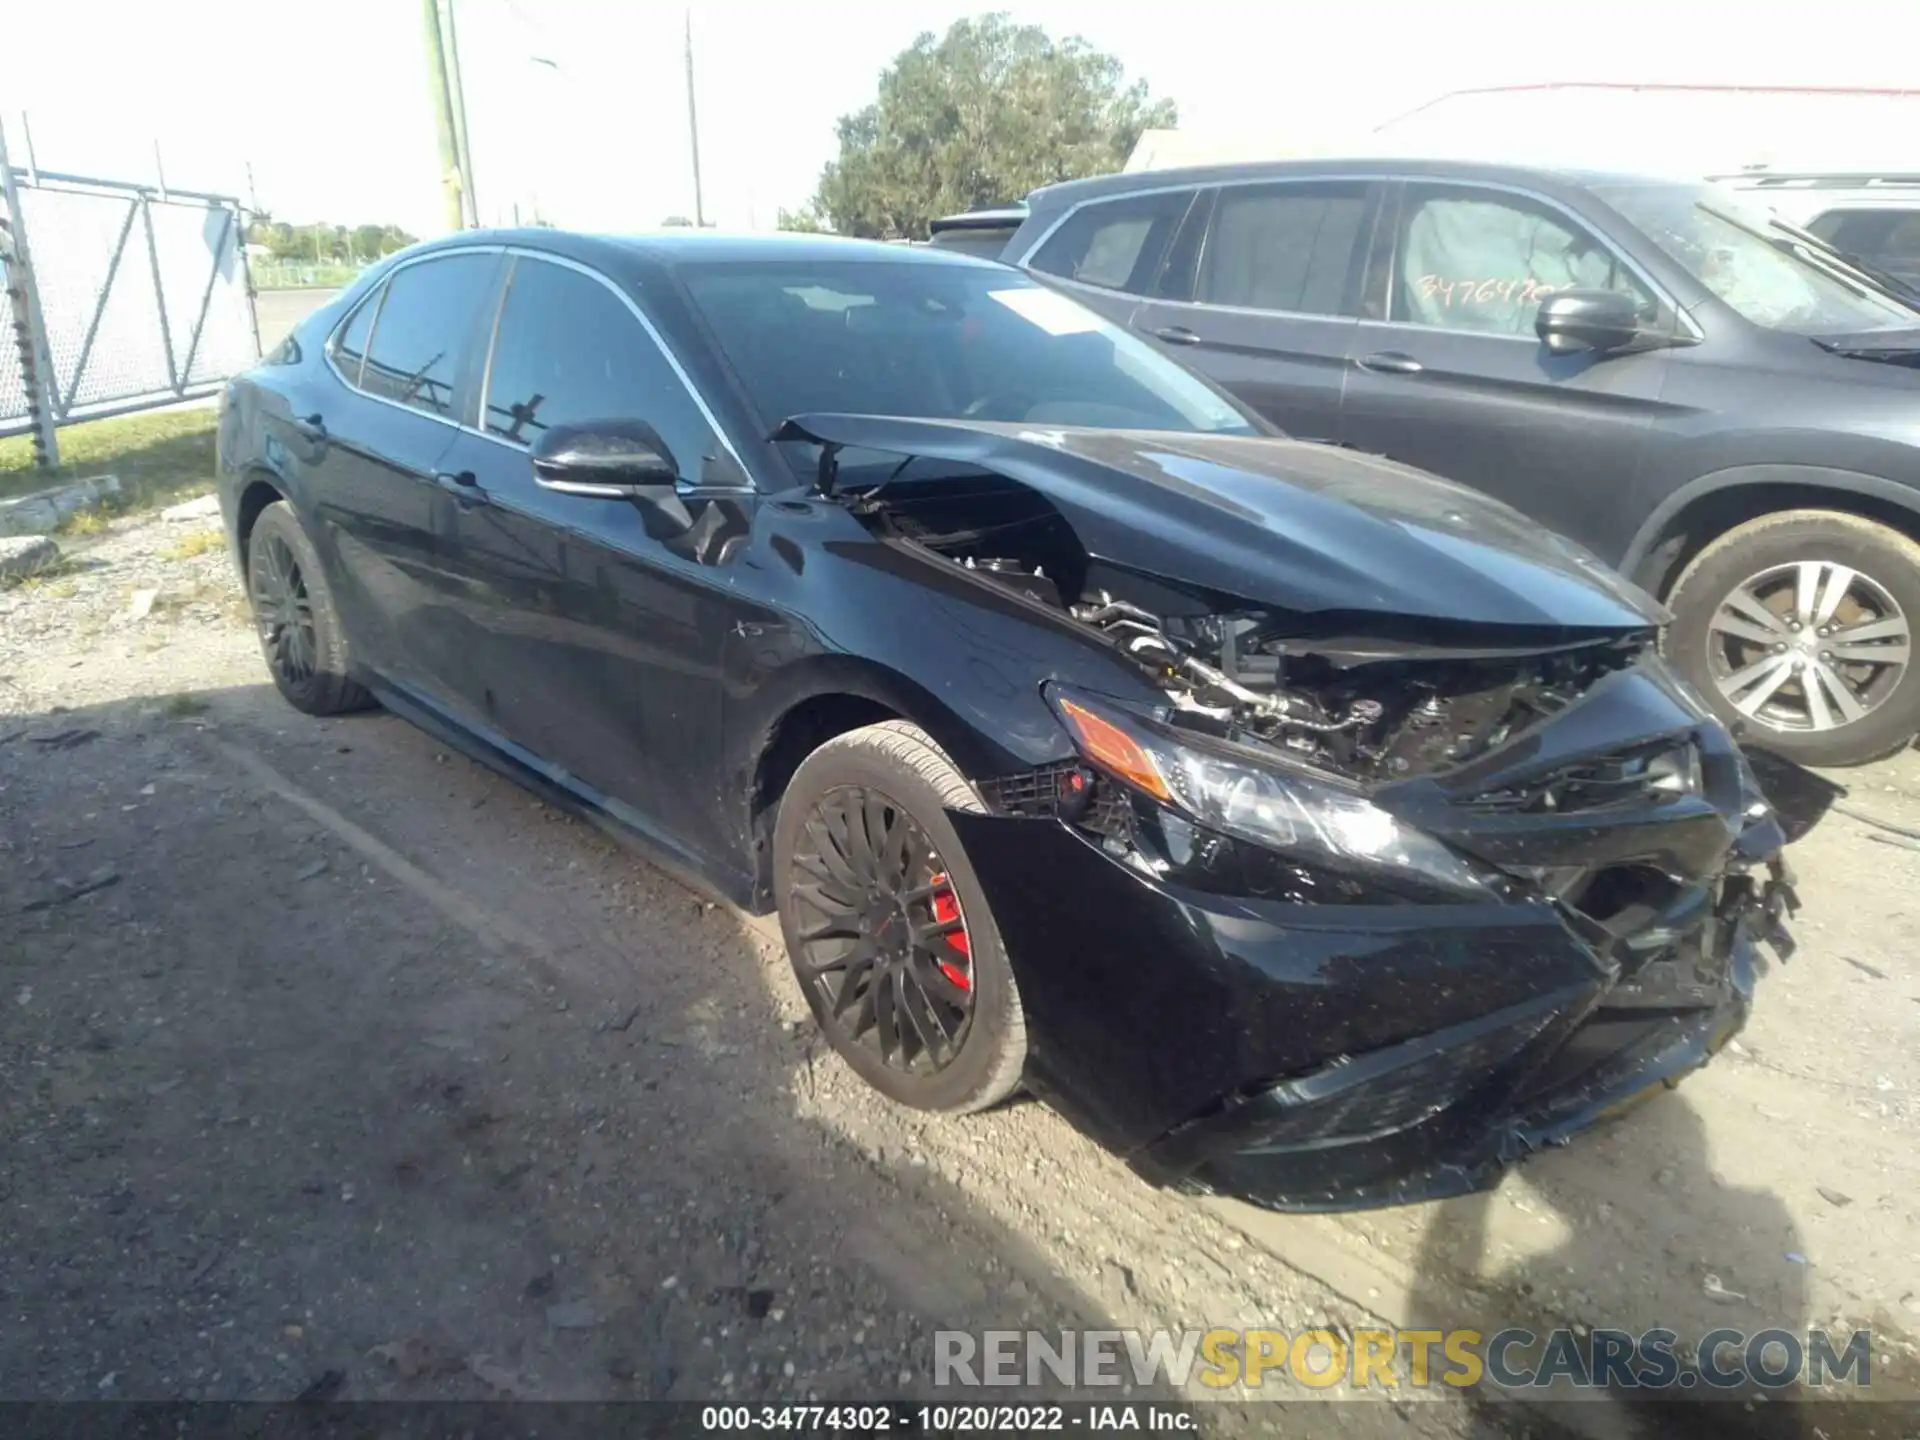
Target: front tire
x=1800, y=627
x=887, y=928
x=301, y=637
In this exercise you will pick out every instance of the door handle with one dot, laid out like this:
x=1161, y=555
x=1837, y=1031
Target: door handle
x=1176, y=335
x=1390, y=362
x=463, y=485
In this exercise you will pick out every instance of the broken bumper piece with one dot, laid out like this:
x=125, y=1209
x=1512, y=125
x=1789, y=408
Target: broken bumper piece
x=1384, y=1048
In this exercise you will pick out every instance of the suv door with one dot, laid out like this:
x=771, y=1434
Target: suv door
x=381, y=506
x=596, y=630
x=1262, y=294
x=1454, y=380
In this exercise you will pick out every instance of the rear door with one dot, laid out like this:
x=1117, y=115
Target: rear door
x=1262, y=294
x=1453, y=379
x=406, y=356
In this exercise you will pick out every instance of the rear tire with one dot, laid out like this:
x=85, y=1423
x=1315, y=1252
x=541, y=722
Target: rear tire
x=1761, y=596
x=301, y=637
x=859, y=921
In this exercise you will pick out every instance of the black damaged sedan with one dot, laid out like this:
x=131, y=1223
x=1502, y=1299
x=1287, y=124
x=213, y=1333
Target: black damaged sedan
x=1299, y=825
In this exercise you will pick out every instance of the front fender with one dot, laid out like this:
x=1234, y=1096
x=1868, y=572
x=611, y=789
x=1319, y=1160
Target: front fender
x=1840, y=483
x=840, y=613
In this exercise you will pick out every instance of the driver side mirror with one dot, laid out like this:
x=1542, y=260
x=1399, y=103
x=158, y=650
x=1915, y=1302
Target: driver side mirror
x=608, y=459
x=1598, y=320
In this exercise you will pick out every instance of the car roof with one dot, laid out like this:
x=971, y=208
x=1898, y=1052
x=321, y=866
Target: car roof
x=1538, y=177
x=650, y=256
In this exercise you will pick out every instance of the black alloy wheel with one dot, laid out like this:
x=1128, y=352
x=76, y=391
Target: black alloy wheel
x=301, y=636
x=890, y=935
x=885, y=943
x=283, y=611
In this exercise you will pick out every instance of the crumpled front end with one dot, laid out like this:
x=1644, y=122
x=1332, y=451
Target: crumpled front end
x=1271, y=1022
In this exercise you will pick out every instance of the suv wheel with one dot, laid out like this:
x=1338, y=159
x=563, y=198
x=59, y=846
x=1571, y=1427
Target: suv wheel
x=887, y=927
x=1800, y=627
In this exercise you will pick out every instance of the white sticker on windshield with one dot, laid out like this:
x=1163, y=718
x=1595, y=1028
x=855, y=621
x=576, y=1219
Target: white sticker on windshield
x=1048, y=309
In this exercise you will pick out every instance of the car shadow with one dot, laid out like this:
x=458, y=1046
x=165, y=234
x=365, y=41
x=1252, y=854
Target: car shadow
x=346, y=1071
x=1644, y=1234
x=1800, y=797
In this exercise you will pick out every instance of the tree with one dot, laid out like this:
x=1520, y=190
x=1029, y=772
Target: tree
x=978, y=117
x=806, y=220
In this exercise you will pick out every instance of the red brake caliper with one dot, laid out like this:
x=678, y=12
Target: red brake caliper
x=946, y=909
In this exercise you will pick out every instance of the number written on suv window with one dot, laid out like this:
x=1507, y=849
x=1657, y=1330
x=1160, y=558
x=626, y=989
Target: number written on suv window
x=1470, y=260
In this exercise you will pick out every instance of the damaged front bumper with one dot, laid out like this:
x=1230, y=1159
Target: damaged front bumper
x=1319, y=1056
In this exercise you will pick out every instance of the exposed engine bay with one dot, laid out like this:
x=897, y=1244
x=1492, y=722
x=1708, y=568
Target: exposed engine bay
x=1365, y=703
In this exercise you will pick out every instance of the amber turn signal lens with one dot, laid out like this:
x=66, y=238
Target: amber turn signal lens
x=1111, y=748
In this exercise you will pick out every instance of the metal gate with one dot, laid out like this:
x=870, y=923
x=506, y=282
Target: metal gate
x=125, y=296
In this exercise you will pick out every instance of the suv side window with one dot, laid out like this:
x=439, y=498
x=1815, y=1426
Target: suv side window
x=1483, y=260
x=424, y=321
x=568, y=349
x=1115, y=244
x=1887, y=238
x=1284, y=247
x=349, y=346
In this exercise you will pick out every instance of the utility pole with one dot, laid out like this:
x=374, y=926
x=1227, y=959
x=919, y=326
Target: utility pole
x=459, y=93
x=693, y=130
x=450, y=186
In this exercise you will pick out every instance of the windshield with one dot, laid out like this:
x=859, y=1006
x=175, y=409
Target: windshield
x=1733, y=252
x=943, y=342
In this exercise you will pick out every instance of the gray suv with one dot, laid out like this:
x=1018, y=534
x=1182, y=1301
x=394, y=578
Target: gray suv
x=1717, y=404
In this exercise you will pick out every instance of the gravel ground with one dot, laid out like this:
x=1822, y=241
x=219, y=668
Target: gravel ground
x=331, y=1063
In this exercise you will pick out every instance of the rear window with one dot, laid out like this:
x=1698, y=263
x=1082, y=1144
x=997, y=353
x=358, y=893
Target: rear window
x=1115, y=244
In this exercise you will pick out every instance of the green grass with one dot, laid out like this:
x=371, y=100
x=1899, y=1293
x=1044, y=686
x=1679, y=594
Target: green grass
x=160, y=457
x=197, y=543
x=295, y=275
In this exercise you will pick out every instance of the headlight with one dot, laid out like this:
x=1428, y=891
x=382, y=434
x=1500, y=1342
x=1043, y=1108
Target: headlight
x=1243, y=793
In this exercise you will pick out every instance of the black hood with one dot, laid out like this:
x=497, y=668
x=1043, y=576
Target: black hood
x=1281, y=523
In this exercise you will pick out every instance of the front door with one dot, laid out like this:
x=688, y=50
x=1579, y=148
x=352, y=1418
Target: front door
x=596, y=625
x=1454, y=379
x=1275, y=289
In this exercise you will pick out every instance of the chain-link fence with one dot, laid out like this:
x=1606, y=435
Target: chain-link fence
x=133, y=296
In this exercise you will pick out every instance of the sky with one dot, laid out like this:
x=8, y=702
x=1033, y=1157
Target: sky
x=578, y=108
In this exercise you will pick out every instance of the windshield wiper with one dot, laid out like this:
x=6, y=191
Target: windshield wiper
x=1892, y=284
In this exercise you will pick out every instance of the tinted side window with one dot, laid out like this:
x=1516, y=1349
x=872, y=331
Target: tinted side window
x=1483, y=261
x=1284, y=247
x=1889, y=238
x=427, y=316
x=350, y=345
x=1115, y=244
x=568, y=349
